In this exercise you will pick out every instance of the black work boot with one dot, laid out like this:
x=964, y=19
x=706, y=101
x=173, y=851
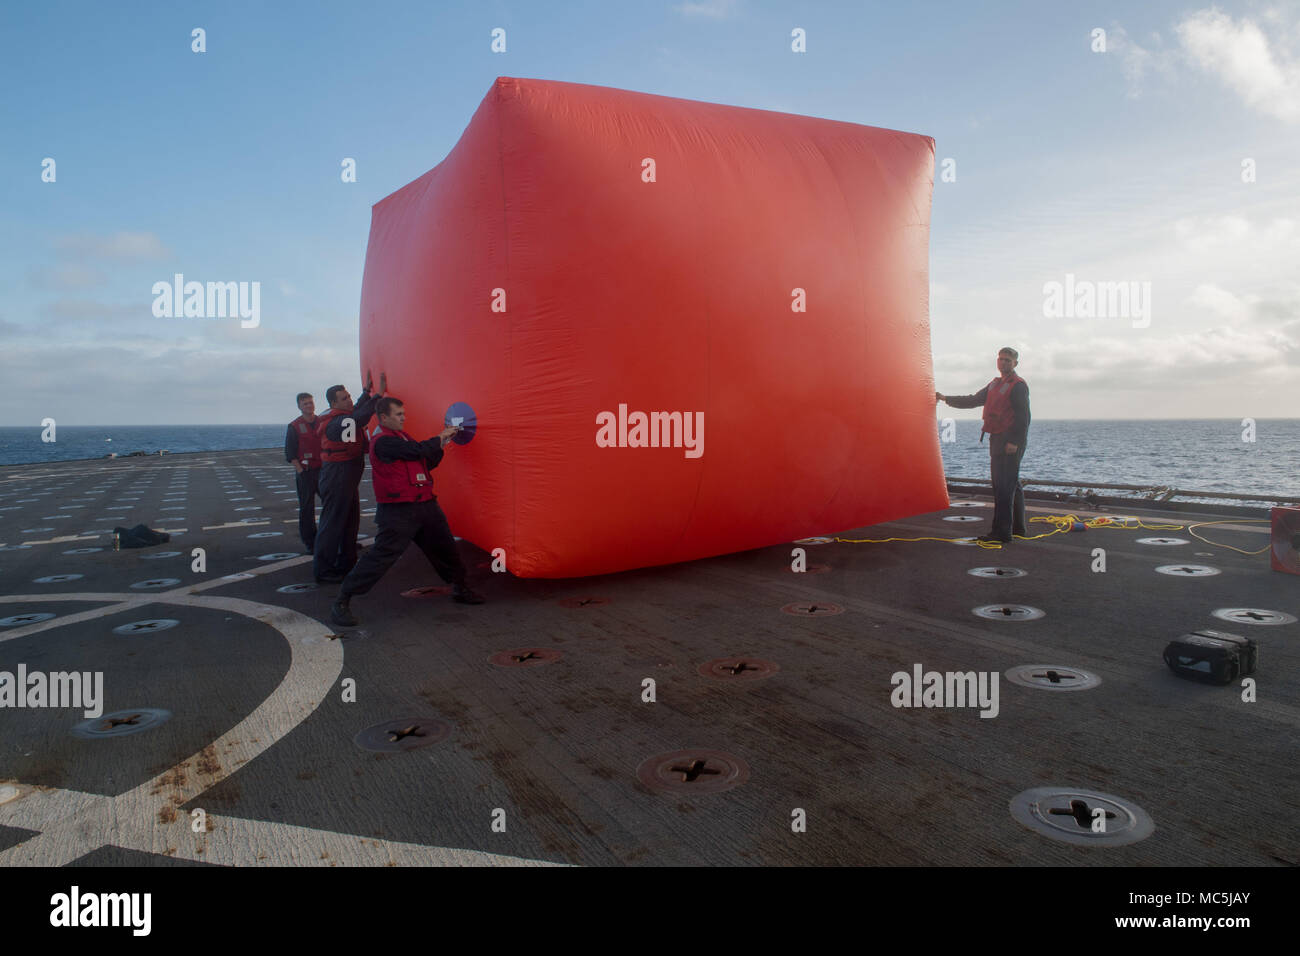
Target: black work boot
x=464, y=594
x=341, y=614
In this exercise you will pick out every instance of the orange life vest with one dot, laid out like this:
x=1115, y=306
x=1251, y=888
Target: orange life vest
x=998, y=413
x=308, y=442
x=398, y=482
x=341, y=450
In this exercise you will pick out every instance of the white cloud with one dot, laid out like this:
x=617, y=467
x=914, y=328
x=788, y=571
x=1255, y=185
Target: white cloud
x=711, y=9
x=120, y=245
x=1170, y=363
x=1259, y=252
x=1136, y=60
x=142, y=379
x=1241, y=56
x=67, y=276
x=89, y=310
x=1252, y=61
x=1225, y=318
x=1243, y=342
x=1222, y=302
x=1203, y=234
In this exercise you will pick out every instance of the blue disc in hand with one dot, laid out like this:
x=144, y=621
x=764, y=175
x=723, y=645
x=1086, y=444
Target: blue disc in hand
x=461, y=414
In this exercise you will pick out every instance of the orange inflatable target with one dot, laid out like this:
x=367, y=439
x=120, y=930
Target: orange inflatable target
x=684, y=329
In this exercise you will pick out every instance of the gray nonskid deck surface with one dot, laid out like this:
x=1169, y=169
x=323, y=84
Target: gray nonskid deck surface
x=554, y=750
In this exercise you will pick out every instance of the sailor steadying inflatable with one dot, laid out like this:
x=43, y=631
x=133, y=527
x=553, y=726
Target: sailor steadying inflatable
x=302, y=450
x=1006, y=421
x=343, y=445
x=406, y=511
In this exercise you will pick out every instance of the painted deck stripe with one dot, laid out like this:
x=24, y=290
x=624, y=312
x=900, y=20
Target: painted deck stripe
x=73, y=823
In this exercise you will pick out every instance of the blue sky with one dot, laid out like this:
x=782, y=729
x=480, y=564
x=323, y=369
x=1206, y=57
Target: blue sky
x=1116, y=166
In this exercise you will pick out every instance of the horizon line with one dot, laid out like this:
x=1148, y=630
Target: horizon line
x=963, y=419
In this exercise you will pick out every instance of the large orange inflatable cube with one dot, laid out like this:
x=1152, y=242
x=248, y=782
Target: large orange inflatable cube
x=684, y=329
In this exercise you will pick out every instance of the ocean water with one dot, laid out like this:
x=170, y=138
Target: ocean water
x=1204, y=455
x=74, y=442
x=1187, y=454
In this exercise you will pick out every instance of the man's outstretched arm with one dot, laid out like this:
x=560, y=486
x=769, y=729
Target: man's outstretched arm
x=389, y=448
x=365, y=407
x=334, y=430
x=966, y=401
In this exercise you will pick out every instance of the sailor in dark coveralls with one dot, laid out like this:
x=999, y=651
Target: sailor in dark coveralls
x=1006, y=422
x=343, y=451
x=406, y=511
x=302, y=450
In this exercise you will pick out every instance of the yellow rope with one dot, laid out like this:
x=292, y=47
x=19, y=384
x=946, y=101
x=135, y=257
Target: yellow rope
x=883, y=540
x=1063, y=524
x=1202, y=524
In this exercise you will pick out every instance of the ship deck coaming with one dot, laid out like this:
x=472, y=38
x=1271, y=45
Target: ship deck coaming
x=540, y=762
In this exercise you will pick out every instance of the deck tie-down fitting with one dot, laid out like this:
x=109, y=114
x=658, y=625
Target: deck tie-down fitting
x=1056, y=676
x=697, y=767
x=410, y=731
x=1081, y=813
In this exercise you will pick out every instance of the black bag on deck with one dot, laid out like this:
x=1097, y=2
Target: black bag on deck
x=141, y=536
x=1212, y=657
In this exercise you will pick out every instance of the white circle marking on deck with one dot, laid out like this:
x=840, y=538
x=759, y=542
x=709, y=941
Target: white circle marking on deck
x=71, y=824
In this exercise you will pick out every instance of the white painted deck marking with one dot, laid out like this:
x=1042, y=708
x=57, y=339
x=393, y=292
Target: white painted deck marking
x=230, y=841
x=72, y=823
